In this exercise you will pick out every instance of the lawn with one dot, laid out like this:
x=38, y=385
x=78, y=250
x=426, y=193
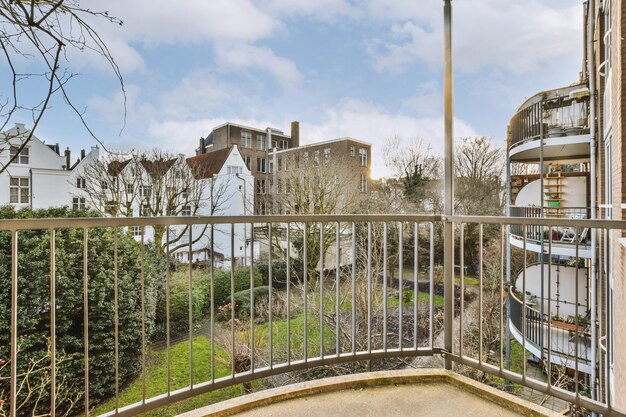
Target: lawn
x=408, y=271
x=408, y=296
x=156, y=378
x=279, y=337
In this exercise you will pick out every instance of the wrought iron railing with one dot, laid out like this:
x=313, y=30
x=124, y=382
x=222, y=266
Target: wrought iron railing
x=357, y=297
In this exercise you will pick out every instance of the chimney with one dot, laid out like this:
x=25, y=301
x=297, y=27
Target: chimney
x=201, y=147
x=68, y=159
x=82, y=154
x=57, y=149
x=21, y=127
x=295, y=134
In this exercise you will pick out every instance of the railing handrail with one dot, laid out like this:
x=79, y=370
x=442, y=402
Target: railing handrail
x=89, y=222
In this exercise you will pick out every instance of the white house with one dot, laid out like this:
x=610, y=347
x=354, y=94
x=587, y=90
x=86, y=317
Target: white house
x=39, y=177
x=228, y=191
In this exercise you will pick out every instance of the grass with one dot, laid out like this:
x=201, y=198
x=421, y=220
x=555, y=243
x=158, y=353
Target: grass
x=409, y=296
x=279, y=337
x=156, y=378
x=408, y=271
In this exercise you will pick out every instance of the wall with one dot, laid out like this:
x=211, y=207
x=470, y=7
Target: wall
x=575, y=195
x=563, y=288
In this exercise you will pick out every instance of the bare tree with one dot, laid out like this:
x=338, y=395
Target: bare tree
x=40, y=33
x=108, y=186
x=418, y=170
x=155, y=184
x=314, y=186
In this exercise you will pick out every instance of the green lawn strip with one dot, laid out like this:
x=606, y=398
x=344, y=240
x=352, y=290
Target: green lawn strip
x=279, y=337
x=516, y=366
x=156, y=378
x=408, y=295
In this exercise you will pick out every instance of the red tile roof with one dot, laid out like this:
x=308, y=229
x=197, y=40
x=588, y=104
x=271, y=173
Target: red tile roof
x=208, y=164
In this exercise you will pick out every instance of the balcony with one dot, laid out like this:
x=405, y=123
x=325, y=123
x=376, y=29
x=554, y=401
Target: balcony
x=566, y=344
x=560, y=116
x=124, y=329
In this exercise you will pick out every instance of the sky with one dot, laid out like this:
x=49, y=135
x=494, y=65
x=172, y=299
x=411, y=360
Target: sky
x=369, y=69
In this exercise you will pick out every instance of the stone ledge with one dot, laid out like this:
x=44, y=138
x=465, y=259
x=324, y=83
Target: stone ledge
x=369, y=380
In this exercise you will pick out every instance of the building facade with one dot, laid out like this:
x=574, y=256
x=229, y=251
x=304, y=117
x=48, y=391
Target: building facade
x=255, y=145
x=40, y=176
x=573, y=140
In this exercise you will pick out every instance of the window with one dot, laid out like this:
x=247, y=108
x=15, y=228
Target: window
x=23, y=157
x=284, y=144
x=326, y=155
x=279, y=186
x=260, y=165
x=247, y=161
x=363, y=183
x=271, y=165
x=104, y=185
x=287, y=186
x=305, y=157
x=274, y=144
x=78, y=203
x=130, y=189
x=186, y=211
x=286, y=164
x=352, y=150
x=144, y=210
x=271, y=190
x=19, y=190
x=246, y=140
x=81, y=183
x=279, y=162
x=260, y=142
x=316, y=157
x=362, y=157
x=233, y=169
x=135, y=231
x=145, y=191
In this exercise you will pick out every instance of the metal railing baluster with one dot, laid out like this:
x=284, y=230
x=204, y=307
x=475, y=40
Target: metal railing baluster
x=385, y=266
x=86, y=318
x=400, y=285
x=53, y=339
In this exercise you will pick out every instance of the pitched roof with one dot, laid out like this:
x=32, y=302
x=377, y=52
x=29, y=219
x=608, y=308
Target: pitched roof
x=115, y=167
x=208, y=164
x=158, y=167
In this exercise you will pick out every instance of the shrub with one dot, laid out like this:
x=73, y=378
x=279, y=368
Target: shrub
x=279, y=273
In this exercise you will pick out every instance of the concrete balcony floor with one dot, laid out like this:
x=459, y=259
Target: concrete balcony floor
x=389, y=393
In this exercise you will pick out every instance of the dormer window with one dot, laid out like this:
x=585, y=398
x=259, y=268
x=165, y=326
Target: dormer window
x=23, y=156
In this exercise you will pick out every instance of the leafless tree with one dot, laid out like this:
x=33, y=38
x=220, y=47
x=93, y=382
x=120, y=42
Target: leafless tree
x=33, y=386
x=40, y=33
x=419, y=171
x=109, y=184
x=313, y=186
x=155, y=184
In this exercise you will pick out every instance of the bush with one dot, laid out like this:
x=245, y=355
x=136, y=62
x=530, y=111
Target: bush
x=222, y=284
x=279, y=273
x=242, y=300
x=34, y=306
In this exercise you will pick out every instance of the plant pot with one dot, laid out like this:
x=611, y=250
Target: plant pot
x=554, y=203
x=573, y=130
x=555, y=131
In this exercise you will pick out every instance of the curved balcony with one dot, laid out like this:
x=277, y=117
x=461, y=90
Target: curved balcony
x=560, y=116
x=566, y=241
x=564, y=343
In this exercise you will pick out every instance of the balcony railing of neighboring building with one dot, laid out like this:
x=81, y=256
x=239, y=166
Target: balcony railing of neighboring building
x=557, y=235
x=555, y=113
x=569, y=342
x=328, y=313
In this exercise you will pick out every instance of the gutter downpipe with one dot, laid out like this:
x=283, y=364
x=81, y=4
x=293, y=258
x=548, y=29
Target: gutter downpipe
x=543, y=216
x=592, y=157
x=448, y=227
x=245, y=213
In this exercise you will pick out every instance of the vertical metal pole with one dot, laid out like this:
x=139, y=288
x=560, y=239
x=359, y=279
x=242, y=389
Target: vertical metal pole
x=190, y=295
x=53, y=337
x=592, y=163
x=116, y=323
x=86, y=318
x=507, y=383
x=143, y=313
x=13, y=407
x=448, y=262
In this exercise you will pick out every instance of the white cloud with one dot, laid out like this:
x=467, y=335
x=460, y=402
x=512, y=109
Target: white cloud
x=366, y=121
x=520, y=36
x=241, y=56
x=165, y=21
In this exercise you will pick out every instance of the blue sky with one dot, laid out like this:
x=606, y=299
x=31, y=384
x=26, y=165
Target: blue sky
x=370, y=69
